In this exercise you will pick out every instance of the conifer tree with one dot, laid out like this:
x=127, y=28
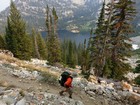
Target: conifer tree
x=17, y=40
x=97, y=44
x=72, y=55
x=36, y=53
x=64, y=47
x=53, y=42
x=85, y=60
x=41, y=46
x=80, y=49
x=123, y=14
x=112, y=41
x=2, y=42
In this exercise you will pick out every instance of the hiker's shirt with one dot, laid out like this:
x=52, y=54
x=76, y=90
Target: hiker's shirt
x=68, y=82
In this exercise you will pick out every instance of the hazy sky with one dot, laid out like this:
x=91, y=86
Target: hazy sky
x=4, y=4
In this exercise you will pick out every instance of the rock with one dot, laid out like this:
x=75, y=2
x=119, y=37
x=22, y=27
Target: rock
x=116, y=96
x=77, y=82
x=103, y=83
x=2, y=103
x=21, y=102
x=135, y=96
x=92, y=79
x=110, y=86
x=136, y=89
x=90, y=86
x=131, y=76
x=38, y=62
x=5, y=84
x=126, y=86
x=91, y=93
x=35, y=74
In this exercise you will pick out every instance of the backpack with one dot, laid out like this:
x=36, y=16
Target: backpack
x=63, y=78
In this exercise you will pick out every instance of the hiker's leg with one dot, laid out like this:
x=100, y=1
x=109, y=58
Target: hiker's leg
x=70, y=92
x=61, y=92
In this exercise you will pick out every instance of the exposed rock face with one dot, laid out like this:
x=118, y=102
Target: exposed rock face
x=131, y=76
x=109, y=93
x=17, y=96
x=126, y=96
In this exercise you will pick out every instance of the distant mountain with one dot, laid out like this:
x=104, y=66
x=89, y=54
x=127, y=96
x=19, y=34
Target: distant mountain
x=74, y=15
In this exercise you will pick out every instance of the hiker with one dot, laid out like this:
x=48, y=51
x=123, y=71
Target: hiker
x=66, y=82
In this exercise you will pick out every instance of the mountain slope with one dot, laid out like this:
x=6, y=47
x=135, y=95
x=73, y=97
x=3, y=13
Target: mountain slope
x=73, y=15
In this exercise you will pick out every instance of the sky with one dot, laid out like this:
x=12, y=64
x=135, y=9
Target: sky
x=4, y=4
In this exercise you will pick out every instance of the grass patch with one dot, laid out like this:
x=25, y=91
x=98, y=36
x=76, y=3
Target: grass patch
x=49, y=78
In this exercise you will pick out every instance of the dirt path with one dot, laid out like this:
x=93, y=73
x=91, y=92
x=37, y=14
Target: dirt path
x=33, y=85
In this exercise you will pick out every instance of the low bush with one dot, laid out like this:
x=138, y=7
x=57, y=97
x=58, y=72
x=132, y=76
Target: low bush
x=137, y=80
x=49, y=78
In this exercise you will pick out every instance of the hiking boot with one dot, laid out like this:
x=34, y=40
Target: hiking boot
x=70, y=96
x=61, y=93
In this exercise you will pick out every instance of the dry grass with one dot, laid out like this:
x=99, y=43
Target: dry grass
x=32, y=67
x=7, y=58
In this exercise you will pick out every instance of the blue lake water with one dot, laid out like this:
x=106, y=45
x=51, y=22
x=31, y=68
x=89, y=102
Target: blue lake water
x=77, y=37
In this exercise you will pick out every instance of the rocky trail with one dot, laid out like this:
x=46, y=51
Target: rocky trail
x=10, y=81
x=18, y=86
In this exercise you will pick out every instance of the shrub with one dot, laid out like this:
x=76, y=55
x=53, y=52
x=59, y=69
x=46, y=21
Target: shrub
x=137, y=69
x=49, y=78
x=137, y=80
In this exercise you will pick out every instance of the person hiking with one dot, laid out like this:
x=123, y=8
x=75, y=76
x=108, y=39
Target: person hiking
x=66, y=82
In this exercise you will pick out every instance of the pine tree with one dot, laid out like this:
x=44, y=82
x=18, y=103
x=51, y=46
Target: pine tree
x=80, y=49
x=2, y=42
x=97, y=43
x=53, y=42
x=71, y=55
x=123, y=14
x=41, y=46
x=17, y=40
x=85, y=60
x=36, y=53
x=71, y=61
x=64, y=47
x=111, y=39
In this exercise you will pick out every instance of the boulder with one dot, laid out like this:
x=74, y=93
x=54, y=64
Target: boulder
x=92, y=79
x=126, y=86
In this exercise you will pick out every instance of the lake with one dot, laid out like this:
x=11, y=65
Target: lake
x=64, y=34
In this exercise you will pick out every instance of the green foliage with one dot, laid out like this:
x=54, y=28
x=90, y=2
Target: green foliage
x=119, y=69
x=137, y=69
x=17, y=40
x=41, y=46
x=107, y=69
x=109, y=47
x=138, y=61
x=53, y=42
x=49, y=78
x=136, y=52
x=97, y=44
x=2, y=42
x=137, y=80
x=85, y=60
x=35, y=53
x=70, y=53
